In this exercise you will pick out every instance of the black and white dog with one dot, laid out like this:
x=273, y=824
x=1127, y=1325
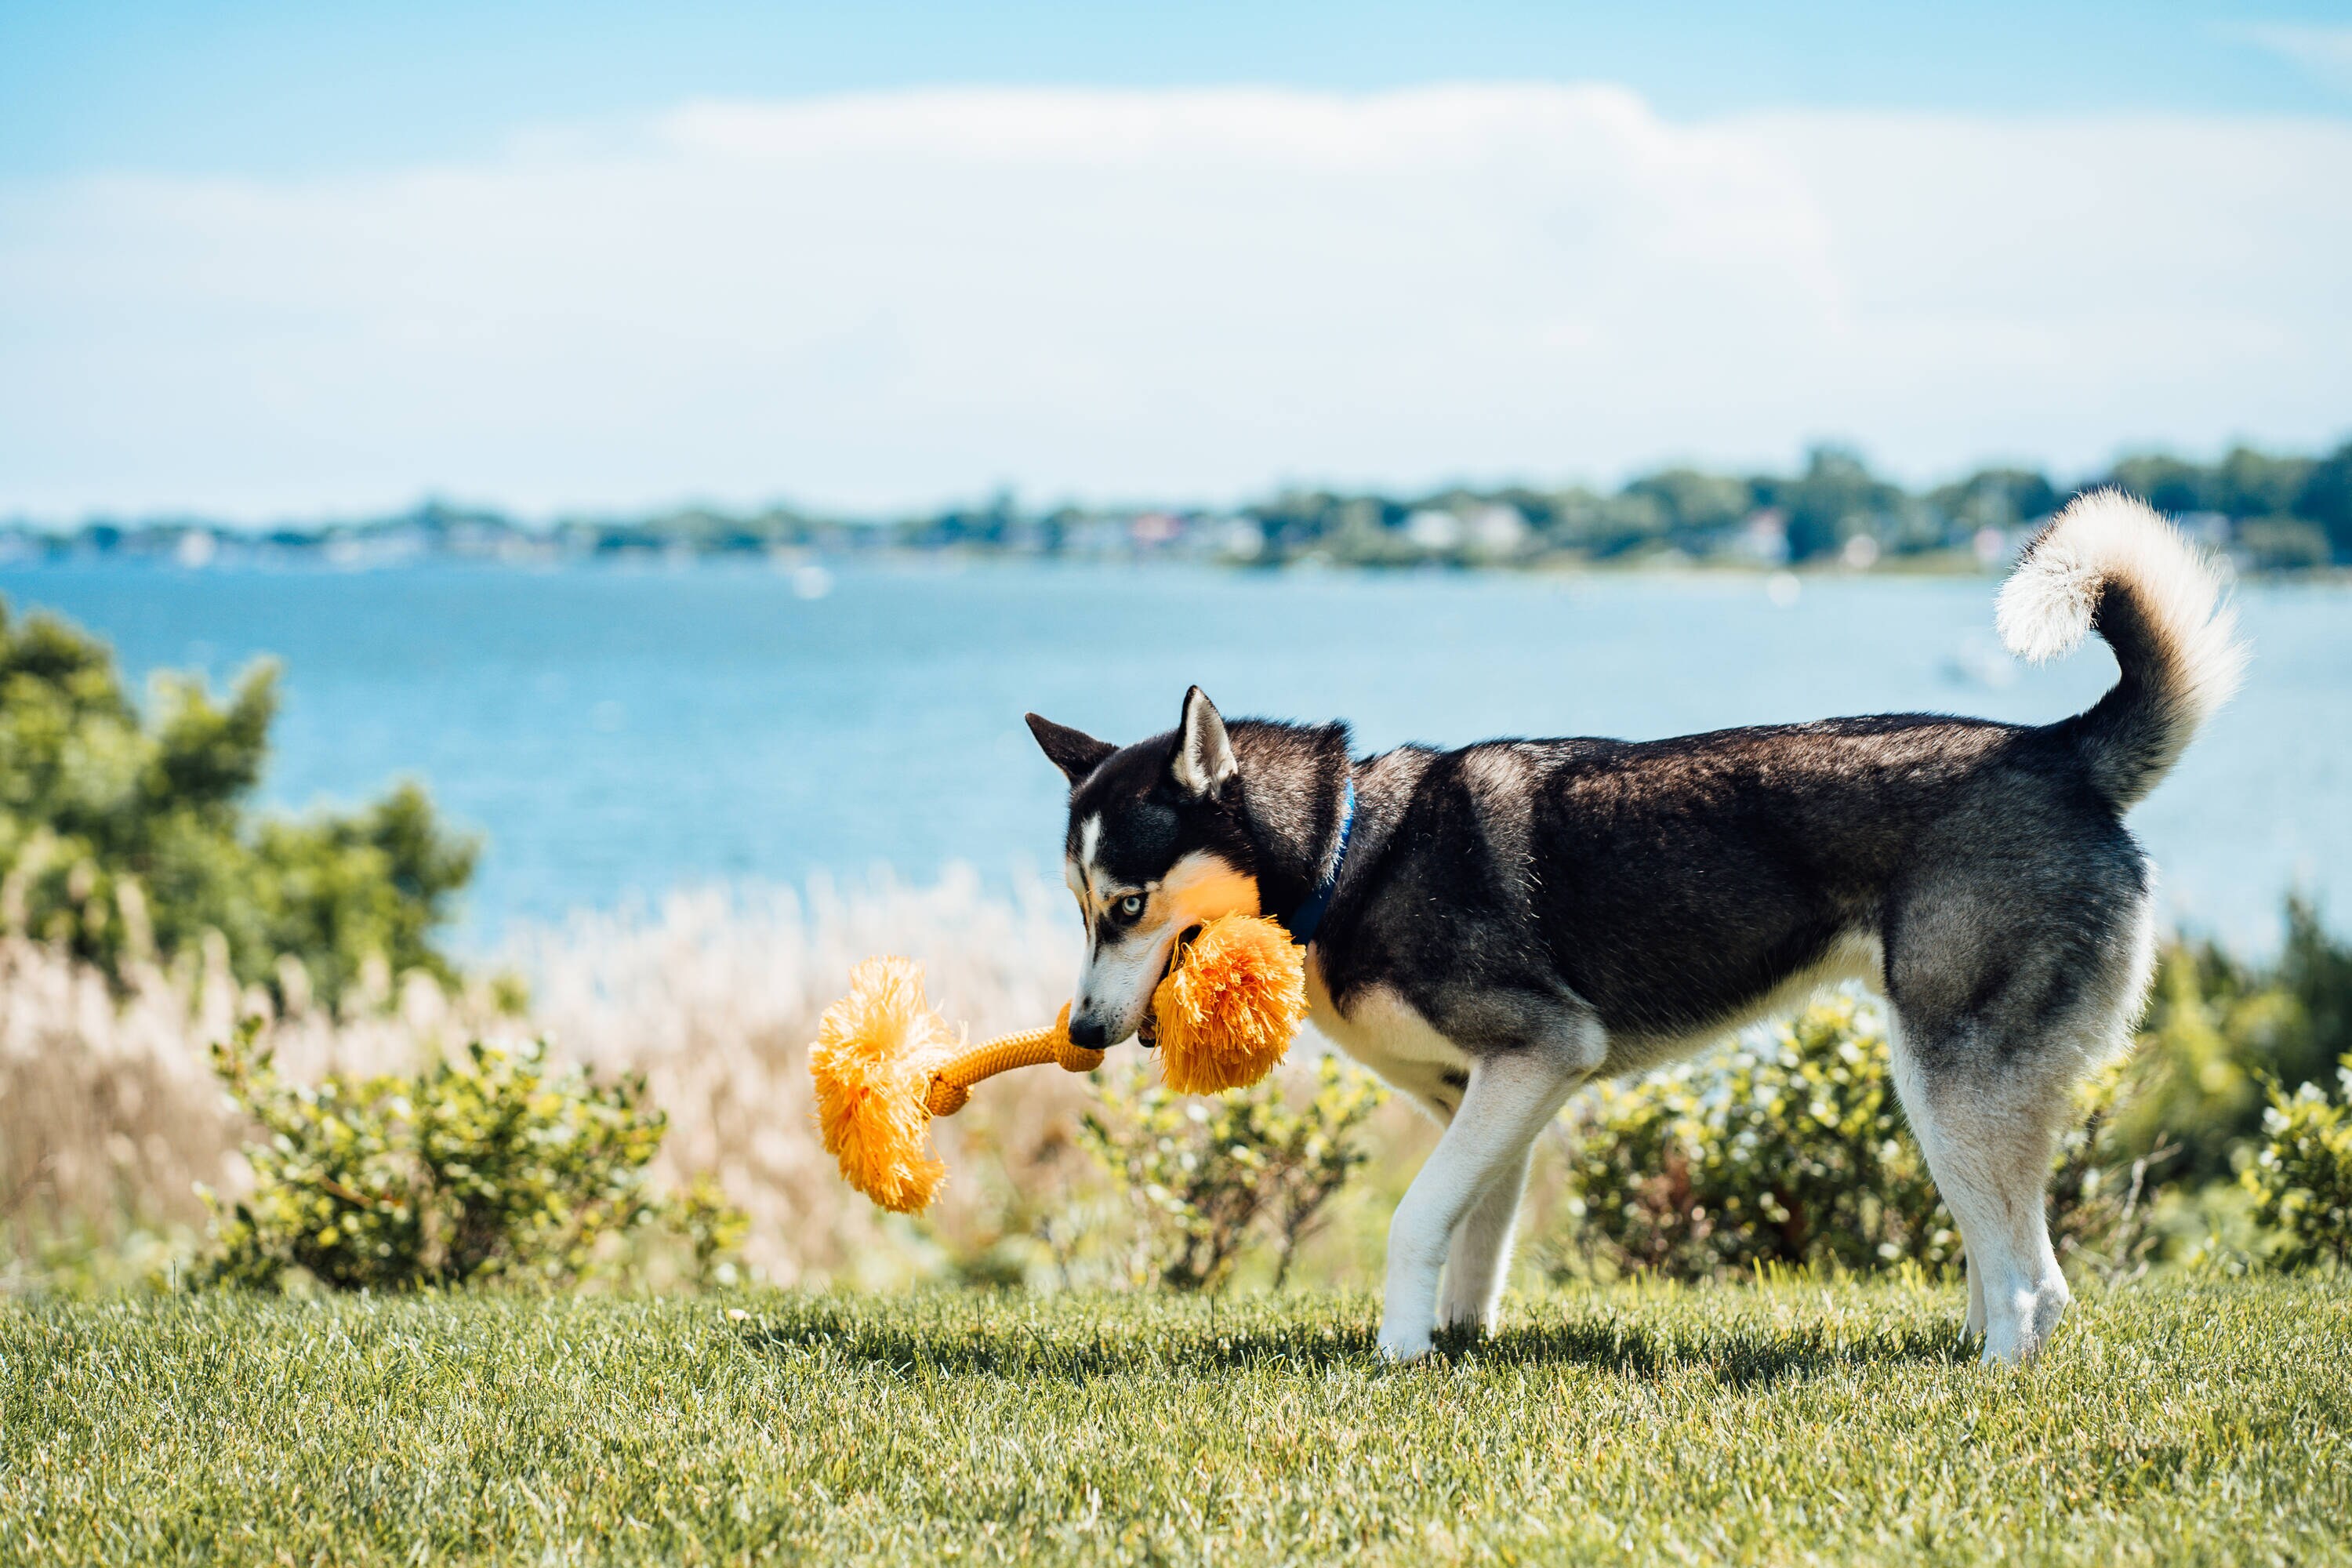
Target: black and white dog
x=1491, y=927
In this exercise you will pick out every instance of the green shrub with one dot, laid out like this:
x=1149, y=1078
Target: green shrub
x=2316, y=971
x=1790, y=1149
x=2213, y=1027
x=2301, y=1176
x=2219, y=1027
x=1208, y=1175
x=484, y=1166
x=2107, y=1191
x=124, y=835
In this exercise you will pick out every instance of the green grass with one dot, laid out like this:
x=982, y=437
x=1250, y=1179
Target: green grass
x=2172, y=1422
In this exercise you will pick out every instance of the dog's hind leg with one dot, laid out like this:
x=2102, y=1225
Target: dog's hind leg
x=1912, y=1087
x=2006, y=993
x=1511, y=1097
x=1988, y=1133
x=1478, y=1266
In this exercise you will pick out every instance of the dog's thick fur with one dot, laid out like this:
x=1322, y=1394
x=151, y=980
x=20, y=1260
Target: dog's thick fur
x=1518, y=917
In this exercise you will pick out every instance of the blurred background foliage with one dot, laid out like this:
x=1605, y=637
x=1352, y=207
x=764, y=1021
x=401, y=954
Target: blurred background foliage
x=125, y=835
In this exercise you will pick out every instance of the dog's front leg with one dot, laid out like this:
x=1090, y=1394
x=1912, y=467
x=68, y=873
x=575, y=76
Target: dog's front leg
x=1480, y=1258
x=1510, y=1098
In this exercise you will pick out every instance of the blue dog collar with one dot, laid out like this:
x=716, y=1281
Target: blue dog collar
x=1303, y=920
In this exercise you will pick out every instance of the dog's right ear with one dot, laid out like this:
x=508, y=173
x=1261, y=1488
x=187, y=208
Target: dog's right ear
x=1204, y=754
x=1074, y=751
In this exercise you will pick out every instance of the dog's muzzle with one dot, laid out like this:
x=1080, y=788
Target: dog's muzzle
x=1147, y=1033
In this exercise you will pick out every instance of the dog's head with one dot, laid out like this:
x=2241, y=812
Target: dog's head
x=1157, y=845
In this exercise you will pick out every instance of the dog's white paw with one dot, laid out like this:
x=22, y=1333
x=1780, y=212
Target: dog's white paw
x=2022, y=1323
x=2007, y=1343
x=1403, y=1348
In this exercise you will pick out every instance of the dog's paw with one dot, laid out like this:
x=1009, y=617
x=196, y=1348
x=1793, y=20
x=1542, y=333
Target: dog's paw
x=1403, y=1349
x=2022, y=1323
x=2011, y=1345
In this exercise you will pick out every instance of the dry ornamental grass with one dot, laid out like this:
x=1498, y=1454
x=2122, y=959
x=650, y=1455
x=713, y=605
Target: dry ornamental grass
x=110, y=1116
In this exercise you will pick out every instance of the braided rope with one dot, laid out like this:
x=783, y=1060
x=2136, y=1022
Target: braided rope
x=952, y=1085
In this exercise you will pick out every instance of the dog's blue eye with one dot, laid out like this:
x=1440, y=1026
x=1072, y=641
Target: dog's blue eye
x=1130, y=907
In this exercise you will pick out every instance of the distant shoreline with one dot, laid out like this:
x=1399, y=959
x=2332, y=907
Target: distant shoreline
x=2264, y=512
x=793, y=561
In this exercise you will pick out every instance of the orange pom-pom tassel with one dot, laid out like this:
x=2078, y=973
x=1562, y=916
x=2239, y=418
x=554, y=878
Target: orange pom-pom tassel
x=1229, y=1006
x=885, y=1065
x=876, y=1051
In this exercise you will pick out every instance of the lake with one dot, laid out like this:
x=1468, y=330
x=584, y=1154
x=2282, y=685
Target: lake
x=617, y=731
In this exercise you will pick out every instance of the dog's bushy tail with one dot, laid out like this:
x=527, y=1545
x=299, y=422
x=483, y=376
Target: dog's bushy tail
x=2109, y=563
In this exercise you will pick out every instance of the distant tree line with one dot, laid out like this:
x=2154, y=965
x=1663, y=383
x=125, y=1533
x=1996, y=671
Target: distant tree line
x=2271, y=512
x=2277, y=512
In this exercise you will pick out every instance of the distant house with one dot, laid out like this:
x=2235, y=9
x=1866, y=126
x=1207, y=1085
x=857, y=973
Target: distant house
x=1498, y=529
x=1763, y=537
x=1433, y=531
x=1152, y=529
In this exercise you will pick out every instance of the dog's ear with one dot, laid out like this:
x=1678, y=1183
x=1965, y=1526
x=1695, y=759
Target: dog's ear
x=1204, y=755
x=1074, y=751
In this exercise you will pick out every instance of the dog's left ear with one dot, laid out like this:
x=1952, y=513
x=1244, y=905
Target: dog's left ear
x=1204, y=756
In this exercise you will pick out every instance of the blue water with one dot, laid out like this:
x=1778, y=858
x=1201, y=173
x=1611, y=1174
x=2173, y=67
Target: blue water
x=615, y=732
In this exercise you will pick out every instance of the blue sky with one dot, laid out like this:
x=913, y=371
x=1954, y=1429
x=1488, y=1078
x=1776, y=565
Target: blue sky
x=267, y=261
x=270, y=86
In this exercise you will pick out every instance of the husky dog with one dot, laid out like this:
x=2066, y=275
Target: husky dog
x=1489, y=928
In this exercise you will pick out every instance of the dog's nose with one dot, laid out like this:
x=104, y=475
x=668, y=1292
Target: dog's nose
x=1088, y=1032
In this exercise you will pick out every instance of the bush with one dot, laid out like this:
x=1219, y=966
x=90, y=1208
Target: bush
x=484, y=1166
x=2213, y=1027
x=124, y=837
x=2218, y=1028
x=1209, y=1174
x=2301, y=1176
x=1791, y=1151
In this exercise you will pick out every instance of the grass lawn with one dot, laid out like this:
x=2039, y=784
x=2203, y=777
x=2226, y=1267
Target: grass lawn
x=2172, y=1422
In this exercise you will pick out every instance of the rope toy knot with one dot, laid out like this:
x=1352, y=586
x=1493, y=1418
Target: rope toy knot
x=1068, y=1053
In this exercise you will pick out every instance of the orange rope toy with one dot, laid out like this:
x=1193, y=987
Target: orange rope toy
x=885, y=1064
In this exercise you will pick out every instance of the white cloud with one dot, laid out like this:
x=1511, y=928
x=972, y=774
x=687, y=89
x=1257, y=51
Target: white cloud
x=886, y=300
